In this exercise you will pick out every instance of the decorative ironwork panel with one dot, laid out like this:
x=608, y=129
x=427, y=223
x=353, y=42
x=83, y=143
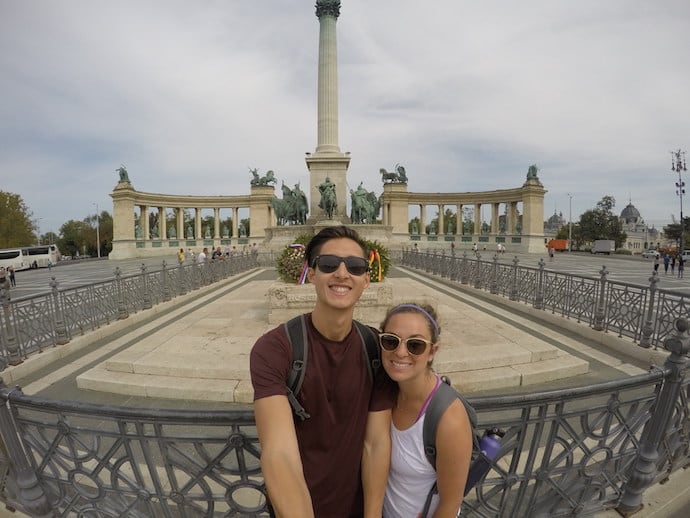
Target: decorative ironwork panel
x=556, y=292
x=668, y=307
x=582, y=299
x=33, y=322
x=625, y=309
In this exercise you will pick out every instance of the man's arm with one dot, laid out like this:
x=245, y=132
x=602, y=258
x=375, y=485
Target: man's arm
x=376, y=458
x=280, y=460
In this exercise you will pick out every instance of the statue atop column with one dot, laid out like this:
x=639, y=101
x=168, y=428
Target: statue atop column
x=122, y=171
x=262, y=181
x=327, y=7
x=365, y=205
x=397, y=176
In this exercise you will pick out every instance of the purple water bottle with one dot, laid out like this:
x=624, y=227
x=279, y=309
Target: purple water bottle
x=489, y=445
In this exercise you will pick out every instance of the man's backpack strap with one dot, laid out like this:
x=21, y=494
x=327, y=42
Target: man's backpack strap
x=370, y=343
x=296, y=330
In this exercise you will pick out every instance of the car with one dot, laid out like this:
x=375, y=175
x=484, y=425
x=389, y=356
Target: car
x=651, y=253
x=685, y=255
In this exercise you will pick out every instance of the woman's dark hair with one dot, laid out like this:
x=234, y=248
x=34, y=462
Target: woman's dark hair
x=428, y=312
x=326, y=234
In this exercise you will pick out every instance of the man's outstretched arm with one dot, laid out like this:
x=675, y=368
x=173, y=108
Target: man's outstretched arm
x=280, y=460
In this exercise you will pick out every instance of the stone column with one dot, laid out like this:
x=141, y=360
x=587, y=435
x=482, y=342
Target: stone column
x=144, y=218
x=198, y=232
x=180, y=223
x=327, y=160
x=477, y=219
x=422, y=219
x=216, y=223
x=459, y=230
x=162, y=223
x=235, y=222
x=494, y=218
x=440, y=230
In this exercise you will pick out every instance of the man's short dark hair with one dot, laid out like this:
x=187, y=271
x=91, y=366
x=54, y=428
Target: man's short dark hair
x=326, y=234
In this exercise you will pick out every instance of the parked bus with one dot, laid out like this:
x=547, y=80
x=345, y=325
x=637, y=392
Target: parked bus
x=15, y=258
x=41, y=256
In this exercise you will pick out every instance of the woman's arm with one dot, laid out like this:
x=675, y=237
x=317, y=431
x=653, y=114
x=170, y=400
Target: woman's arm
x=453, y=456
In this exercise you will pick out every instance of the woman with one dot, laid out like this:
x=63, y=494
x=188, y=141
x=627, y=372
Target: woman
x=409, y=342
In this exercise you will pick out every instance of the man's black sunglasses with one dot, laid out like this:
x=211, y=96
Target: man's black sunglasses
x=330, y=263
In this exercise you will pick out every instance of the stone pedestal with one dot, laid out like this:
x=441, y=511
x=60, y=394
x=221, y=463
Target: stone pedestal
x=289, y=300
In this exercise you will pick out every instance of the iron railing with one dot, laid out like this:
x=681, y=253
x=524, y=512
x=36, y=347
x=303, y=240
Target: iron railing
x=35, y=323
x=569, y=452
x=645, y=314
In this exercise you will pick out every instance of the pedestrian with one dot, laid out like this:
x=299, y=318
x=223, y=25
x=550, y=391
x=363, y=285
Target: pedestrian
x=681, y=266
x=311, y=467
x=673, y=264
x=10, y=272
x=551, y=253
x=50, y=265
x=201, y=258
x=667, y=260
x=656, y=262
x=180, y=257
x=409, y=342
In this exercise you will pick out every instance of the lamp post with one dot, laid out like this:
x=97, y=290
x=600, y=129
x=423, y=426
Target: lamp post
x=38, y=230
x=98, y=230
x=678, y=166
x=570, y=223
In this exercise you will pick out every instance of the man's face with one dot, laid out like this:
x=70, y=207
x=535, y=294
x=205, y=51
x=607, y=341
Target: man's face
x=339, y=289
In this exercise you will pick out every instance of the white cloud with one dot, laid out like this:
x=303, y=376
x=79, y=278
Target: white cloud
x=189, y=95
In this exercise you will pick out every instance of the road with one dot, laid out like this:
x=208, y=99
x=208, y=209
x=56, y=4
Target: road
x=632, y=269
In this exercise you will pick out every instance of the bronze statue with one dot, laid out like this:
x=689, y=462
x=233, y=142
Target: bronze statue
x=329, y=199
x=398, y=176
x=532, y=171
x=365, y=205
x=293, y=208
x=122, y=171
x=262, y=181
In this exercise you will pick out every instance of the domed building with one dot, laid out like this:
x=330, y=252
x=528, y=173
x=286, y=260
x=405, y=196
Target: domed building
x=640, y=236
x=554, y=224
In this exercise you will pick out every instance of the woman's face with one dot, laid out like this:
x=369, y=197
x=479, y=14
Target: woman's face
x=401, y=364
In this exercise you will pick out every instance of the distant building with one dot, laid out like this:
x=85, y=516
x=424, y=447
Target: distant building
x=640, y=236
x=553, y=225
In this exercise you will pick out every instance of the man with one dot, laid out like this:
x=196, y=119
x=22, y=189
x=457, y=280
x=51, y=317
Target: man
x=201, y=258
x=312, y=467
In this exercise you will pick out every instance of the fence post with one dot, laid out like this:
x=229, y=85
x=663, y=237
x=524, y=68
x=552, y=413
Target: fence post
x=145, y=287
x=600, y=311
x=30, y=493
x=15, y=358
x=514, y=286
x=464, y=269
x=644, y=470
x=478, y=271
x=122, y=312
x=648, y=327
x=166, y=285
x=61, y=337
x=539, y=295
x=494, y=277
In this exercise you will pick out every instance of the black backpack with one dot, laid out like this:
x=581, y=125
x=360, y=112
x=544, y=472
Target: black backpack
x=481, y=459
x=296, y=330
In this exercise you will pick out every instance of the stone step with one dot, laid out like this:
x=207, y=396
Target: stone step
x=522, y=374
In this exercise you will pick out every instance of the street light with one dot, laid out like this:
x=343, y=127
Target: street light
x=570, y=223
x=678, y=166
x=38, y=230
x=98, y=235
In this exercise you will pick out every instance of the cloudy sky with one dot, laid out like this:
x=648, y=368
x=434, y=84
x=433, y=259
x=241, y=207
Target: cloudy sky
x=189, y=95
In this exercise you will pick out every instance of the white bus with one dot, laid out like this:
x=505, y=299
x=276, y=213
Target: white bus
x=15, y=258
x=41, y=256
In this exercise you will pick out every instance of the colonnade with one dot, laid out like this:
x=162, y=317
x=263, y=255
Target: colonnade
x=521, y=227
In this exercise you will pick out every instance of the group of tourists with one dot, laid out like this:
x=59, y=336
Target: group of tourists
x=337, y=440
x=189, y=257
x=670, y=260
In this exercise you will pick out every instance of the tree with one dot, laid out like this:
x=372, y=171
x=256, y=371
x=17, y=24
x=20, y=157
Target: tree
x=602, y=223
x=16, y=226
x=75, y=237
x=672, y=231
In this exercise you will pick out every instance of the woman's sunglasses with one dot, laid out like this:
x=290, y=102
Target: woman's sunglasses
x=416, y=346
x=330, y=263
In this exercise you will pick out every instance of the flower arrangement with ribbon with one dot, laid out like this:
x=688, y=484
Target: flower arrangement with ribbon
x=376, y=273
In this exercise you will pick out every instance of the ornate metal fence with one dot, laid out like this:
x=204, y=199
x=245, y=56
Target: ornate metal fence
x=32, y=324
x=643, y=313
x=569, y=452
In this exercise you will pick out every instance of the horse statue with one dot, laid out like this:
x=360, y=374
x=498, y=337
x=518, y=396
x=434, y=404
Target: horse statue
x=397, y=176
x=532, y=171
x=292, y=209
x=122, y=171
x=255, y=174
x=301, y=206
x=262, y=181
x=329, y=199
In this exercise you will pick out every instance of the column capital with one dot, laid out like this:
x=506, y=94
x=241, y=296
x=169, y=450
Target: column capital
x=327, y=7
